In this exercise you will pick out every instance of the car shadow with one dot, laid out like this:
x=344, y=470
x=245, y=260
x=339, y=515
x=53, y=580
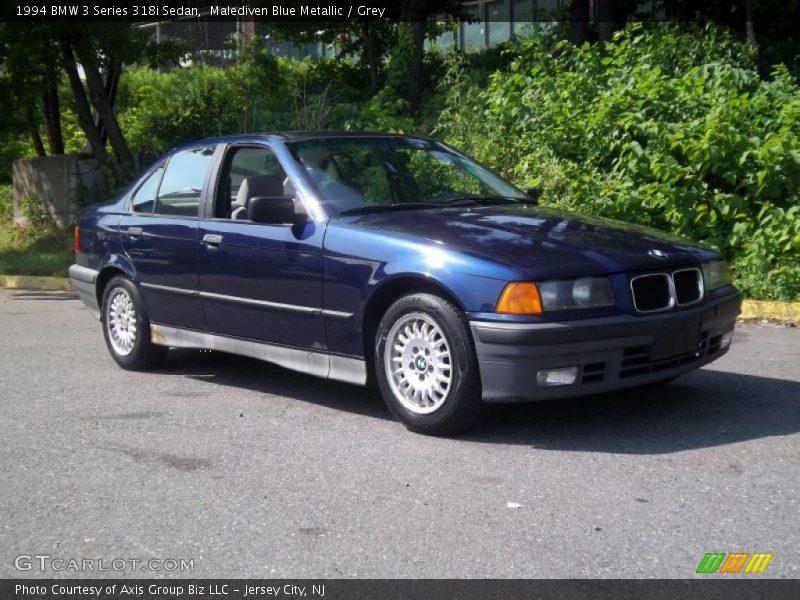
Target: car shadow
x=702, y=409
x=240, y=372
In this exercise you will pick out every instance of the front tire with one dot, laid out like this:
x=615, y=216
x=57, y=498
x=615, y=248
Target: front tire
x=126, y=327
x=426, y=367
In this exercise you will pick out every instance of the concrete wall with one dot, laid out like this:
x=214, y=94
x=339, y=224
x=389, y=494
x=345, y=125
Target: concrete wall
x=54, y=180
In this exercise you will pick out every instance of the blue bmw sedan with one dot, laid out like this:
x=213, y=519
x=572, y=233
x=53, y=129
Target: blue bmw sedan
x=395, y=260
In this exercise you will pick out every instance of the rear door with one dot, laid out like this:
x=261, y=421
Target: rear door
x=261, y=282
x=160, y=236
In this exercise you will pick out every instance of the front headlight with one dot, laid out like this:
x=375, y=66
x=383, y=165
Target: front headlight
x=586, y=292
x=716, y=274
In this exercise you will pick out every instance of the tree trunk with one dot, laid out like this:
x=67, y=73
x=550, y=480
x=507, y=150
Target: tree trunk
x=415, y=74
x=606, y=23
x=52, y=109
x=36, y=138
x=579, y=22
x=368, y=35
x=84, y=112
x=110, y=84
x=750, y=24
x=98, y=94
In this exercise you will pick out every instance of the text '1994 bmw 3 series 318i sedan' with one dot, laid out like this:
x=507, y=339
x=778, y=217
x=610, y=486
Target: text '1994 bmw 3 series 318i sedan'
x=394, y=259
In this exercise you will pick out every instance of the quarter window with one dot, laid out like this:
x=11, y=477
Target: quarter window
x=182, y=185
x=145, y=196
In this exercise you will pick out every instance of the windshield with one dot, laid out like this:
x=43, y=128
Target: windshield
x=355, y=174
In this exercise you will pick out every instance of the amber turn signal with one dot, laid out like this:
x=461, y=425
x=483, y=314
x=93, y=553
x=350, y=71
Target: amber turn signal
x=520, y=298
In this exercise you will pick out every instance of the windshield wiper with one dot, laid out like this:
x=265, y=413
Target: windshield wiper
x=359, y=210
x=464, y=200
x=450, y=202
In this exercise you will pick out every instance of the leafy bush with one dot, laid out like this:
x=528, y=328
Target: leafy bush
x=159, y=110
x=39, y=248
x=666, y=127
x=45, y=250
x=6, y=205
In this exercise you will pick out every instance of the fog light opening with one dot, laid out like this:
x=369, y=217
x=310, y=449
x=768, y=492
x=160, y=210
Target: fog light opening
x=560, y=376
x=726, y=339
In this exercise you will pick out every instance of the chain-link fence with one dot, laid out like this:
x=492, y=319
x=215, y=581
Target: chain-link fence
x=217, y=42
x=206, y=42
x=490, y=22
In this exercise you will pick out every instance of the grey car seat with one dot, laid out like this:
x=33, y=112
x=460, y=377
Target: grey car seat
x=252, y=187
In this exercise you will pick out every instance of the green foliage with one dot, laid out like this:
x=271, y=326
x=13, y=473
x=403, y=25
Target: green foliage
x=35, y=251
x=6, y=205
x=462, y=101
x=40, y=248
x=13, y=147
x=388, y=109
x=35, y=213
x=667, y=127
x=160, y=110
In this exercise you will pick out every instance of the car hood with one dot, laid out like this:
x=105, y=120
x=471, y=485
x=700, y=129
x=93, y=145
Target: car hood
x=546, y=243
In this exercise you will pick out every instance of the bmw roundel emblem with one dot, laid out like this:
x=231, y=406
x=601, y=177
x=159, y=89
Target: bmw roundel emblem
x=657, y=253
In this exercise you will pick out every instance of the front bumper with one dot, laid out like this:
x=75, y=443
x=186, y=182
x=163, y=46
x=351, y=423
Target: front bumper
x=611, y=353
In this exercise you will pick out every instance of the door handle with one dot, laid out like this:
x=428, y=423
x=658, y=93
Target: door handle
x=212, y=240
x=135, y=231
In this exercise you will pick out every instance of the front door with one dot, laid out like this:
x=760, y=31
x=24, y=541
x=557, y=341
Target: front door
x=260, y=282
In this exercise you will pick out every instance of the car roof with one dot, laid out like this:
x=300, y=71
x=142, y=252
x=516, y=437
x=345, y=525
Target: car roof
x=293, y=136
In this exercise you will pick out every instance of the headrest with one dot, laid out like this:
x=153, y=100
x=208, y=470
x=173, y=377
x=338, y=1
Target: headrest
x=259, y=185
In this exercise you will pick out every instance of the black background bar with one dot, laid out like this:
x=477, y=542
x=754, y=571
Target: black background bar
x=703, y=587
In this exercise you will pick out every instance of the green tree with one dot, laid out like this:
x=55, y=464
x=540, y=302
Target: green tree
x=418, y=13
x=33, y=59
x=29, y=79
x=368, y=39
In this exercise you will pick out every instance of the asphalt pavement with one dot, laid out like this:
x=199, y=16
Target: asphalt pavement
x=249, y=470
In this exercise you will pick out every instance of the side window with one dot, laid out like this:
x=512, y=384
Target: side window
x=145, y=197
x=249, y=171
x=180, y=189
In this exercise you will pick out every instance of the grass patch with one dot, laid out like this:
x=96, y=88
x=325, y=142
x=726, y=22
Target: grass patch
x=40, y=251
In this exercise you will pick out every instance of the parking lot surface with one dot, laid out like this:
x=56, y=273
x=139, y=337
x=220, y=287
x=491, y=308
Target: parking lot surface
x=250, y=470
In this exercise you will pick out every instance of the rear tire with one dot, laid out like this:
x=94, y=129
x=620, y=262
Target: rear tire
x=426, y=367
x=126, y=327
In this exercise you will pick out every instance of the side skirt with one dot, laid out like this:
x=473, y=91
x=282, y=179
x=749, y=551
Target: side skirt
x=341, y=368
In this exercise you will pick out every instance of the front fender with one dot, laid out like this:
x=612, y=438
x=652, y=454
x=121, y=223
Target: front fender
x=359, y=263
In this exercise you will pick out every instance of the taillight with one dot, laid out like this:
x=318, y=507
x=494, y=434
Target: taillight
x=76, y=240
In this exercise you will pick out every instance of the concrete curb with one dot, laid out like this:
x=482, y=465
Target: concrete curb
x=751, y=309
x=31, y=282
x=766, y=309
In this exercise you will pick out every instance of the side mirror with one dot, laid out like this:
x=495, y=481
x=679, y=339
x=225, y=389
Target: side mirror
x=534, y=193
x=276, y=210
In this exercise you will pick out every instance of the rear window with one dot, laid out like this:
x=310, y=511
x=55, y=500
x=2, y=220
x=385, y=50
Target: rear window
x=179, y=193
